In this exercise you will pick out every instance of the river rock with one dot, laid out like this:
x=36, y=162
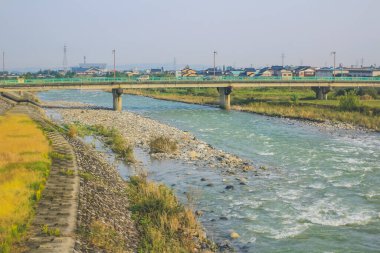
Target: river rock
x=234, y=235
x=229, y=187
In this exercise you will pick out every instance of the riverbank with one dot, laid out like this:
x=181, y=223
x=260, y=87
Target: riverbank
x=140, y=131
x=278, y=105
x=158, y=220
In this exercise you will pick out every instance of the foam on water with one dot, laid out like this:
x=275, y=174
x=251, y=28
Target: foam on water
x=317, y=182
x=335, y=213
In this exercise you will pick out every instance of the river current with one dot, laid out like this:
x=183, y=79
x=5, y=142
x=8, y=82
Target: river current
x=319, y=193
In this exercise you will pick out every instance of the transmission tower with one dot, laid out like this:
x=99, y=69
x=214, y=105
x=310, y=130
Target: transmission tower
x=65, y=58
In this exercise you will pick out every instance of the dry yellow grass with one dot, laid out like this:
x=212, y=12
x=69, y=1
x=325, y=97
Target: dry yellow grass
x=24, y=166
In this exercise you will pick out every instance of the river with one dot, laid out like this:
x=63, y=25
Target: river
x=319, y=193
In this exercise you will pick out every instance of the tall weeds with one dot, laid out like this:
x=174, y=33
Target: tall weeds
x=164, y=224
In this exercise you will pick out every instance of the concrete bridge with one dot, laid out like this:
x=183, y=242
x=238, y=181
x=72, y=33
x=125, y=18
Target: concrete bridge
x=225, y=85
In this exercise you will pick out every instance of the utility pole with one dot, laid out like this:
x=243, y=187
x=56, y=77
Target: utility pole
x=114, y=63
x=3, y=62
x=362, y=62
x=214, y=63
x=65, y=58
x=334, y=54
x=84, y=59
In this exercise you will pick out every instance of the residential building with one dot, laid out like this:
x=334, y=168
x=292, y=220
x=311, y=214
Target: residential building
x=265, y=72
x=304, y=71
x=188, y=72
x=363, y=72
x=249, y=72
x=324, y=72
x=277, y=70
x=212, y=71
x=286, y=74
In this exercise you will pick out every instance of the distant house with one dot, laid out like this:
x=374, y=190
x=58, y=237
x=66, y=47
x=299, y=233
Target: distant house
x=212, y=71
x=90, y=69
x=237, y=72
x=249, y=72
x=304, y=71
x=101, y=66
x=277, y=70
x=324, y=72
x=286, y=74
x=339, y=72
x=155, y=71
x=363, y=72
x=265, y=72
x=188, y=72
x=87, y=71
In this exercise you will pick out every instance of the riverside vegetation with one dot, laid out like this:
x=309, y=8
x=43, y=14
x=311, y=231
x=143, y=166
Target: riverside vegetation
x=24, y=168
x=359, y=107
x=164, y=224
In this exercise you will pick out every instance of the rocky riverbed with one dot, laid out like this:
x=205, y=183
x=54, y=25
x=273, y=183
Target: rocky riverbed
x=103, y=204
x=139, y=131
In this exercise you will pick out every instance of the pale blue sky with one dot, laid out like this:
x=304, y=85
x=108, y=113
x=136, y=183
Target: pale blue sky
x=244, y=32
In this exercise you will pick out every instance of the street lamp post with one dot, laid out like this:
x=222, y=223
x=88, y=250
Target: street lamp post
x=114, y=63
x=214, y=63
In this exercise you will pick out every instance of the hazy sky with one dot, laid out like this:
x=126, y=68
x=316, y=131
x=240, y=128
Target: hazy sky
x=244, y=32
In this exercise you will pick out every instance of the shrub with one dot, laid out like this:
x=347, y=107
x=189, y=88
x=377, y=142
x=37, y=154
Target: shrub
x=46, y=230
x=105, y=237
x=349, y=102
x=72, y=131
x=294, y=98
x=366, y=97
x=163, y=144
x=116, y=141
x=164, y=224
x=368, y=92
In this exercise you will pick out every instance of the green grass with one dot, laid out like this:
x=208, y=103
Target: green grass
x=48, y=231
x=113, y=138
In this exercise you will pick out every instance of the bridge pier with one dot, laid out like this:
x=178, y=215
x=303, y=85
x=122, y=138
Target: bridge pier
x=117, y=101
x=225, y=97
x=321, y=92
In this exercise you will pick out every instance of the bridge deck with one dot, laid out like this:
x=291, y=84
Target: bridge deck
x=181, y=82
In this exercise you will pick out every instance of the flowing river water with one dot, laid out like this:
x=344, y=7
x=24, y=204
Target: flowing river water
x=321, y=192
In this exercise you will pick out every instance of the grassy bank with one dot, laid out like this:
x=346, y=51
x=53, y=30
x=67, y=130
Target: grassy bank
x=113, y=138
x=24, y=168
x=164, y=224
x=298, y=103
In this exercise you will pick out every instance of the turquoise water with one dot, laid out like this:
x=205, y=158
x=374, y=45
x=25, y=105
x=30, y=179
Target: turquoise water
x=321, y=193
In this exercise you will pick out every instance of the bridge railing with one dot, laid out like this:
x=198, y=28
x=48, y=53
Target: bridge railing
x=206, y=79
